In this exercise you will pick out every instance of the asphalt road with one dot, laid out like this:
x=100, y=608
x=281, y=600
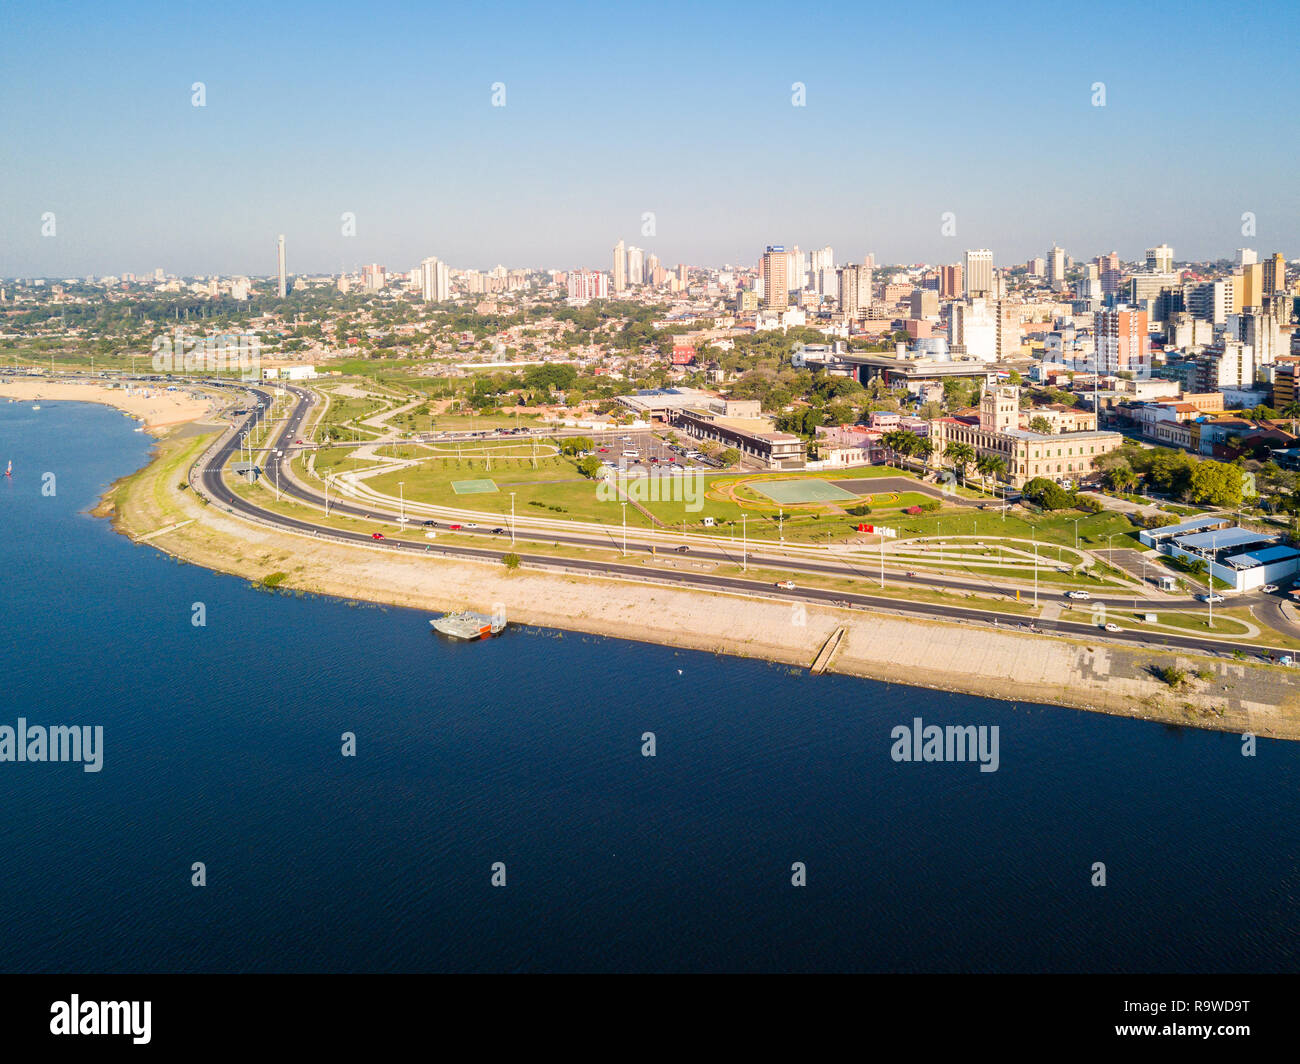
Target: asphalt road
x=212, y=483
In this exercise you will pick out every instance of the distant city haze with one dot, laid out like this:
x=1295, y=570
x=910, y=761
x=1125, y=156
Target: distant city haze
x=540, y=136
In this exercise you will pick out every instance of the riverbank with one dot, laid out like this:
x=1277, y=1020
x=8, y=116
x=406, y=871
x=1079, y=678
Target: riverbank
x=159, y=409
x=1016, y=666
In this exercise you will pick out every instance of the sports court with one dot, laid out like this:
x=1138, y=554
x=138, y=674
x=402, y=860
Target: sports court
x=791, y=492
x=473, y=487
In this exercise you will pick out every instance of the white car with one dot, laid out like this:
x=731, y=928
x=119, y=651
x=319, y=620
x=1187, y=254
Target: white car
x=1111, y=626
x=1216, y=599
x=1077, y=595
x=1269, y=589
x=786, y=585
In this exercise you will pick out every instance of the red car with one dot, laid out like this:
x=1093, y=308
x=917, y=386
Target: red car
x=454, y=528
x=376, y=535
x=604, y=450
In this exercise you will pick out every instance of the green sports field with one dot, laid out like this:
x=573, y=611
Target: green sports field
x=792, y=492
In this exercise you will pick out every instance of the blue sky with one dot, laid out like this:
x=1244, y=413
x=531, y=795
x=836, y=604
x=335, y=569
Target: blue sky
x=615, y=109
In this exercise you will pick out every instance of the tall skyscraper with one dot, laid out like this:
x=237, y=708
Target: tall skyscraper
x=950, y=281
x=1056, y=267
x=635, y=266
x=1161, y=259
x=978, y=272
x=283, y=287
x=681, y=275
x=620, y=267
x=435, y=280
x=1122, y=341
x=1246, y=257
x=1274, y=274
x=776, y=285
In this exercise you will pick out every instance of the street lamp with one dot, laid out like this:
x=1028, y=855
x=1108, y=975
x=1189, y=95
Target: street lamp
x=744, y=544
x=401, y=513
x=512, y=518
x=624, y=505
x=780, y=524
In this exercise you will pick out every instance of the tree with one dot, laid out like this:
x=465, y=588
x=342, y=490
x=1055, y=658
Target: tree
x=1216, y=483
x=1038, y=423
x=1048, y=494
x=991, y=466
x=589, y=466
x=960, y=455
x=730, y=456
x=510, y=561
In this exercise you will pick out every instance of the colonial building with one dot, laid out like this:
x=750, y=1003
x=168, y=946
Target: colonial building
x=1059, y=456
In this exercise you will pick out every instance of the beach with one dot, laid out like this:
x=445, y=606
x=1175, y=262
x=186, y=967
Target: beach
x=159, y=409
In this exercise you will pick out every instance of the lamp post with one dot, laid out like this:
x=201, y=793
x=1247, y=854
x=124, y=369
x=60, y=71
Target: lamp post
x=780, y=524
x=1034, y=534
x=512, y=517
x=1209, y=579
x=744, y=544
x=624, y=505
x=401, y=512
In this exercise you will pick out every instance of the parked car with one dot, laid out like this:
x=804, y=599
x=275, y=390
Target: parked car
x=1269, y=589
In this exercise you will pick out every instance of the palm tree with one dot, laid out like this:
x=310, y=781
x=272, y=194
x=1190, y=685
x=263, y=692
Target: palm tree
x=960, y=455
x=1292, y=411
x=991, y=466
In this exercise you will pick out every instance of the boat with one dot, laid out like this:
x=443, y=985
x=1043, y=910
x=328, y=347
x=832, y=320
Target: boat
x=9, y=469
x=466, y=624
x=37, y=406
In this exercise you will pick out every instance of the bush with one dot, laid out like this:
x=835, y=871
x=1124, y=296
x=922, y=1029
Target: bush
x=931, y=506
x=858, y=511
x=511, y=561
x=914, y=511
x=1089, y=505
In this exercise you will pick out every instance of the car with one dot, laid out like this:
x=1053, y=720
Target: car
x=498, y=531
x=785, y=585
x=429, y=524
x=604, y=450
x=682, y=549
x=470, y=524
x=1269, y=589
x=376, y=535
x=1111, y=626
x=1210, y=598
x=454, y=528
x=297, y=441
x=1077, y=595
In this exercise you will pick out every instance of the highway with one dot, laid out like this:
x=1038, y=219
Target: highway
x=210, y=480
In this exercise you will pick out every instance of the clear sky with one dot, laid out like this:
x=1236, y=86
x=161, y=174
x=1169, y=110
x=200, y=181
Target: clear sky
x=616, y=109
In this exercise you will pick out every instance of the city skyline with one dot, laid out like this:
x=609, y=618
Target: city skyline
x=219, y=143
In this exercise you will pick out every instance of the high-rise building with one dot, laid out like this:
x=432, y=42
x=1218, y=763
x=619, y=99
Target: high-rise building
x=585, y=285
x=681, y=275
x=1246, y=257
x=435, y=280
x=776, y=283
x=620, y=267
x=635, y=266
x=1252, y=285
x=822, y=259
x=973, y=329
x=978, y=271
x=282, y=287
x=1036, y=267
x=1056, y=267
x=1122, y=344
x=1274, y=274
x=1160, y=259
x=950, y=281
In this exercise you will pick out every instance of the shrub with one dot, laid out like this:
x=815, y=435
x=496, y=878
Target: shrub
x=858, y=511
x=914, y=511
x=511, y=561
x=931, y=506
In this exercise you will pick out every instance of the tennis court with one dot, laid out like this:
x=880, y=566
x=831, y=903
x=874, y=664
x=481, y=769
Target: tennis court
x=791, y=492
x=473, y=487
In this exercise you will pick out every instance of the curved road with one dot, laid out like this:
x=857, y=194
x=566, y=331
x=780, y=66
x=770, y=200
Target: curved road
x=212, y=482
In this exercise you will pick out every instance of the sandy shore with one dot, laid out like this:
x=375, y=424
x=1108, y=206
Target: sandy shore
x=158, y=408
x=1100, y=676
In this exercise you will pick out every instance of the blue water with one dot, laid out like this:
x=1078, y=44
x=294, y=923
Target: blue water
x=222, y=745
